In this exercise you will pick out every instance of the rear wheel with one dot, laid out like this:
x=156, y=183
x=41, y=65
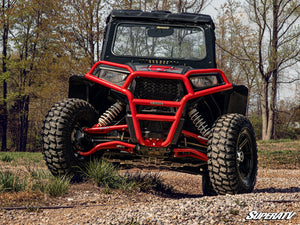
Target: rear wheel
x=63, y=135
x=232, y=155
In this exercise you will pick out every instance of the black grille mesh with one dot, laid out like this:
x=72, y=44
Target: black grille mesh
x=158, y=89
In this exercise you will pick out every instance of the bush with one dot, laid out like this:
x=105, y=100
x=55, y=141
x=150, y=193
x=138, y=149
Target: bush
x=103, y=173
x=256, y=122
x=39, y=179
x=58, y=186
x=35, y=180
x=106, y=175
x=147, y=182
x=7, y=158
x=10, y=182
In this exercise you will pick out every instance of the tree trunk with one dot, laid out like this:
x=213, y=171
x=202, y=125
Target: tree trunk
x=23, y=129
x=4, y=118
x=264, y=110
x=274, y=68
x=98, y=32
x=19, y=122
x=91, y=44
x=4, y=70
x=179, y=6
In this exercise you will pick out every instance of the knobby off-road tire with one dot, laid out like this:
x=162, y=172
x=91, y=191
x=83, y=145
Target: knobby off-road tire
x=207, y=187
x=232, y=155
x=63, y=136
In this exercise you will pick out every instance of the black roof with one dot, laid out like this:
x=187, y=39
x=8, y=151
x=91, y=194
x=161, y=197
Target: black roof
x=162, y=15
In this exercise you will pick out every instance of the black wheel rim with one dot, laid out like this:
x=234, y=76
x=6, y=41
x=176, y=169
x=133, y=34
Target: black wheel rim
x=245, y=157
x=79, y=140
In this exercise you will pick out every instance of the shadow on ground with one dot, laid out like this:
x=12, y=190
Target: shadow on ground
x=177, y=195
x=277, y=190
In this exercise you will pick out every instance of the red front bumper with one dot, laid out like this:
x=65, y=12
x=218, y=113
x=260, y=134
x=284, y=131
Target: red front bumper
x=136, y=117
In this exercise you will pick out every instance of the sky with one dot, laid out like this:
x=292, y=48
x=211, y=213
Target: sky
x=211, y=9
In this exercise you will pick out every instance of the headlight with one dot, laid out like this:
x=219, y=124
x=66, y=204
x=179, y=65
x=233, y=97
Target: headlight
x=111, y=74
x=113, y=77
x=203, y=81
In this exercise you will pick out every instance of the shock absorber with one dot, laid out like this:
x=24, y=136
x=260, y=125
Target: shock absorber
x=111, y=113
x=199, y=122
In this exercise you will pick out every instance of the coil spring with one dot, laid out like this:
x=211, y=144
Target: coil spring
x=199, y=122
x=110, y=114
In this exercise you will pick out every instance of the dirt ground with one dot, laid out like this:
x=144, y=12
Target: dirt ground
x=277, y=190
x=92, y=199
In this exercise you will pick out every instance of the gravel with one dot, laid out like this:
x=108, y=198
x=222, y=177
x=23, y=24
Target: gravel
x=276, y=191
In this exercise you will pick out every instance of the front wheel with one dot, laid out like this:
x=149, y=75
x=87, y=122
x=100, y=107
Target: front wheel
x=232, y=155
x=207, y=187
x=63, y=135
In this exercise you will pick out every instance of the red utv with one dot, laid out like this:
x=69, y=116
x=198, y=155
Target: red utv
x=156, y=99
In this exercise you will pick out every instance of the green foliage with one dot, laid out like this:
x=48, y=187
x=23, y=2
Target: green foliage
x=286, y=132
x=35, y=180
x=234, y=211
x=4, y=76
x=275, y=141
x=131, y=222
x=9, y=182
x=282, y=129
x=240, y=203
x=256, y=122
x=58, y=186
x=287, y=118
x=23, y=158
x=7, y=158
x=105, y=174
x=40, y=174
x=39, y=179
x=278, y=154
x=147, y=182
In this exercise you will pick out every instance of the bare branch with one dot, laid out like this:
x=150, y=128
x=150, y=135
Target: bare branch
x=283, y=22
x=288, y=27
x=230, y=53
x=282, y=7
x=289, y=39
x=288, y=58
x=288, y=82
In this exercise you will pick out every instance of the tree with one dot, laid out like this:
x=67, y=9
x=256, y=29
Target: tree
x=274, y=47
x=235, y=44
x=192, y=6
x=36, y=51
x=286, y=118
x=82, y=29
x=278, y=31
x=26, y=36
x=7, y=8
x=84, y=22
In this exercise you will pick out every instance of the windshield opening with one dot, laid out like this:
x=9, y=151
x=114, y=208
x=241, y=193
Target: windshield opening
x=158, y=41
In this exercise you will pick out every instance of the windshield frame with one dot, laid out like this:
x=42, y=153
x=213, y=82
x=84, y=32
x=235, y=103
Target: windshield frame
x=176, y=26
